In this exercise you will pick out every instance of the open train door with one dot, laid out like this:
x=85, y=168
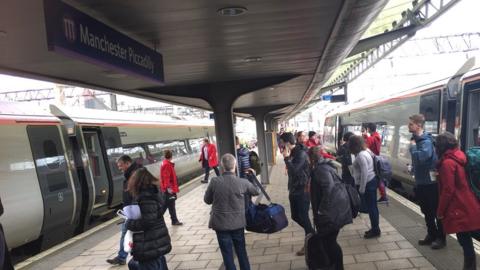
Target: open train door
x=452, y=100
x=85, y=182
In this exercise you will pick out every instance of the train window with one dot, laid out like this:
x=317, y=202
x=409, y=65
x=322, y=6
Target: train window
x=430, y=108
x=51, y=155
x=195, y=145
x=473, y=118
x=329, y=131
x=156, y=150
x=387, y=132
x=404, y=142
x=137, y=153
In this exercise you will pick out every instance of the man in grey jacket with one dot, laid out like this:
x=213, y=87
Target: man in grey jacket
x=226, y=194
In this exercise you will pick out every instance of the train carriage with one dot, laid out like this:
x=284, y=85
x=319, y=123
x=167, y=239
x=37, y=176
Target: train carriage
x=58, y=168
x=448, y=105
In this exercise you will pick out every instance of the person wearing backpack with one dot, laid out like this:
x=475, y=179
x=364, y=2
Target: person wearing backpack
x=367, y=181
x=374, y=143
x=330, y=205
x=458, y=208
x=426, y=189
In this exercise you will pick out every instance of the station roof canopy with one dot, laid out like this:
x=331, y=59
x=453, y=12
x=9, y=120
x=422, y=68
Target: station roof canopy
x=277, y=52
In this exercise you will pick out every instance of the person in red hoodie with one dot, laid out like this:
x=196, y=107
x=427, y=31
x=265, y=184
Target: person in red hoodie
x=208, y=158
x=169, y=185
x=458, y=208
x=374, y=142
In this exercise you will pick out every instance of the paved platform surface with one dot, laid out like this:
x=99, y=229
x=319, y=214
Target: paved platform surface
x=195, y=246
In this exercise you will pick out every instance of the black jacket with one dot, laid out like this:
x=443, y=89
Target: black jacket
x=330, y=201
x=345, y=158
x=298, y=169
x=127, y=198
x=150, y=234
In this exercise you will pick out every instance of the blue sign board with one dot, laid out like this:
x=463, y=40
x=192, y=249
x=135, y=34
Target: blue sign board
x=74, y=33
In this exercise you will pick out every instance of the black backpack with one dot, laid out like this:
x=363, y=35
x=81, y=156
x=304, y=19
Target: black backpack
x=328, y=218
x=353, y=195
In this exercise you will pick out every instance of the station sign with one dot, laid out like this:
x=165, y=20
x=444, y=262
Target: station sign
x=334, y=98
x=78, y=35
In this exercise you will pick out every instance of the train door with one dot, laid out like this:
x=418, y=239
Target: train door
x=471, y=121
x=98, y=168
x=55, y=183
x=113, y=150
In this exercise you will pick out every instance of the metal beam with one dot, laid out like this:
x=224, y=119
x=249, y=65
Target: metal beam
x=422, y=14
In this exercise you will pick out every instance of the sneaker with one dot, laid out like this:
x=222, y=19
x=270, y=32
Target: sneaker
x=427, y=241
x=438, y=244
x=177, y=223
x=116, y=261
x=383, y=200
x=301, y=252
x=372, y=234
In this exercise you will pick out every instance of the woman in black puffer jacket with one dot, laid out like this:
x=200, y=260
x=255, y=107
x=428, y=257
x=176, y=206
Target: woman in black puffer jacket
x=151, y=240
x=330, y=205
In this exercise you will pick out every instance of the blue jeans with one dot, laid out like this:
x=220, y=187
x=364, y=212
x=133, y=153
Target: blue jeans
x=371, y=201
x=229, y=239
x=299, y=206
x=122, y=255
x=465, y=240
x=157, y=264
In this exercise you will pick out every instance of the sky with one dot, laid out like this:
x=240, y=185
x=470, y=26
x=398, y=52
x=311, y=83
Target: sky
x=389, y=76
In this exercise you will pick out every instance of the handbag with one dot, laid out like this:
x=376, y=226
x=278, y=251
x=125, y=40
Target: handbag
x=128, y=241
x=263, y=218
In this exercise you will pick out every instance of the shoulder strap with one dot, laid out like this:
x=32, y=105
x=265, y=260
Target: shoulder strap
x=259, y=185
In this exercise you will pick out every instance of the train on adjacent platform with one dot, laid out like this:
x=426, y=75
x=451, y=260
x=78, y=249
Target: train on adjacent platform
x=58, y=168
x=448, y=105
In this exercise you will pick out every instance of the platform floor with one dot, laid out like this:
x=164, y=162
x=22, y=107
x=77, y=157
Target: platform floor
x=195, y=246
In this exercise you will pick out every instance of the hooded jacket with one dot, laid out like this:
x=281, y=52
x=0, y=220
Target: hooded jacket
x=423, y=158
x=150, y=234
x=330, y=201
x=298, y=169
x=374, y=142
x=168, y=176
x=457, y=204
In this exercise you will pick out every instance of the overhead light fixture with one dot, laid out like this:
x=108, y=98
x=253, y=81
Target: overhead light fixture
x=232, y=11
x=255, y=59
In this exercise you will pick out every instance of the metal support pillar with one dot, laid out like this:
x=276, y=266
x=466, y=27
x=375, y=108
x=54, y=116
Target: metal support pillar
x=262, y=149
x=223, y=116
x=259, y=114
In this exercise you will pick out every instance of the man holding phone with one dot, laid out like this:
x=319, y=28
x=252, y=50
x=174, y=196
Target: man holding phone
x=296, y=160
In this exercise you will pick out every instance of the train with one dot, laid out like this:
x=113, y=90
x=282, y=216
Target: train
x=451, y=104
x=58, y=167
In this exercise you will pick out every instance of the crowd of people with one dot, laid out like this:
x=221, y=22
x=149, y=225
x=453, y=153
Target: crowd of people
x=441, y=188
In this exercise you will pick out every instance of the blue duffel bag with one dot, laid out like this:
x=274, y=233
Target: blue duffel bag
x=263, y=218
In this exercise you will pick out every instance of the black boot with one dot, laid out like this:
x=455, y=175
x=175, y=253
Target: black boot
x=427, y=241
x=469, y=263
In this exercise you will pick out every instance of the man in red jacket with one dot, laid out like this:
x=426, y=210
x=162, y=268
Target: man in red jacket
x=169, y=185
x=374, y=142
x=208, y=157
